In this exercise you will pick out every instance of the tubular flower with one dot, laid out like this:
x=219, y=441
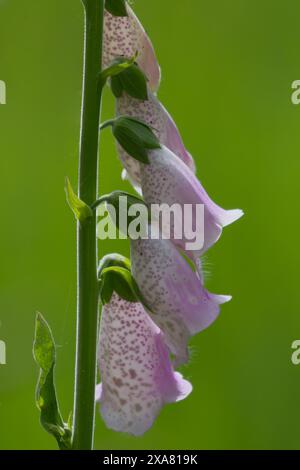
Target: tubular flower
x=137, y=375
x=167, y=180
x=123, y=37
x=153, y=113
x=178, y=302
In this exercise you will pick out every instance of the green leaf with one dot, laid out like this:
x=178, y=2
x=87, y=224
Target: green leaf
x=118, y=66
x=80, y=209
x=135, y=137
x=116, y=7
x=46, y=400
x=133, y=81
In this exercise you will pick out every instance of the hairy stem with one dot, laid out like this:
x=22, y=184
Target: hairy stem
x=87, y=303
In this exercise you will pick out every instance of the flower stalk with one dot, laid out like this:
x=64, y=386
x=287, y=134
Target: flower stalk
x=87, y=306
x=154, y=303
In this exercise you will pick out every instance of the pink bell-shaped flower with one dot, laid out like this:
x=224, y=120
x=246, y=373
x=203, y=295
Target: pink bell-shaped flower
x=178, y=302
x=136, y=372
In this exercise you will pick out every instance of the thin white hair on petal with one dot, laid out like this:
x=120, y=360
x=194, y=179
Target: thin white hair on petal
x=193, y=356
x=207, y=266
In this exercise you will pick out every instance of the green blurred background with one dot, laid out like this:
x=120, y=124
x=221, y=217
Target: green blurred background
x=227, y=74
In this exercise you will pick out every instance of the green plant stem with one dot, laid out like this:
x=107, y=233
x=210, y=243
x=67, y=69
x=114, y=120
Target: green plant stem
x=87, y=306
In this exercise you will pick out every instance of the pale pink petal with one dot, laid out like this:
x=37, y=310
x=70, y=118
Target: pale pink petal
x=174, y=142
x=136, y=372
x=123, y=37
x=168, y=180
x=178, y=302
x=147, y=60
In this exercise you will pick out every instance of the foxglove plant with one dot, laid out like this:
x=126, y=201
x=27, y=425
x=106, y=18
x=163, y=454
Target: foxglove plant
x=153, y=303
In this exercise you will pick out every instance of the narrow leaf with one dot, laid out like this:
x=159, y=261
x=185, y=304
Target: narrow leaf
x=80, y=209
x=46, y=400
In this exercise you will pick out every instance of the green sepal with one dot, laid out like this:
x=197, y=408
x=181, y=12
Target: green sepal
x=132, y=144
x=106, y=289
x=116, y=7
x=116, y=87
x=113, y=198
x=113, y=259
x=117, y=279
x=44, y=353
x=144, y=131
x=135, y=137
x=110, y=260
x=80, y=209
x=132, y=81
x=119, y=65
x=125, y=285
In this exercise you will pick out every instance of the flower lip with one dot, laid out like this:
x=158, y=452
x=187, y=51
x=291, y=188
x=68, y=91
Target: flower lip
x=153, y=113
x=167, y=180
